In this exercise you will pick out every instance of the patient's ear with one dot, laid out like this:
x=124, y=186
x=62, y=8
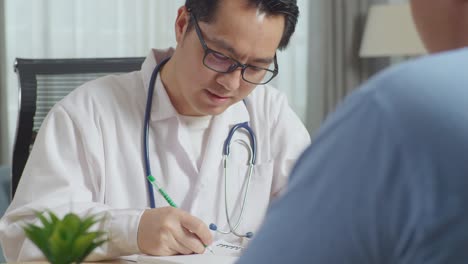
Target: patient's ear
x=463, y=2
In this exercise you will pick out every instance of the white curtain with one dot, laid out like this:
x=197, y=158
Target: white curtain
x=293, y=64
x=335, y=69
x=85, y=28
x=113, y=28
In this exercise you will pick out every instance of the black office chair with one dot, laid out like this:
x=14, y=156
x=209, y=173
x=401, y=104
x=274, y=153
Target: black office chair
x=42, y=83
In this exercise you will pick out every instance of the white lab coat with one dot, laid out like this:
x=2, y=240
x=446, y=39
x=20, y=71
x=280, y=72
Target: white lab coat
x=88, y=158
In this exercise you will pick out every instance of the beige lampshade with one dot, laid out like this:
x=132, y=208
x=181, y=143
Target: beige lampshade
x=389, y=32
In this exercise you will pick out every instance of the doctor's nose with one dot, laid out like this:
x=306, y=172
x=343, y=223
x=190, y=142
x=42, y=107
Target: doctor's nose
x=230, y=81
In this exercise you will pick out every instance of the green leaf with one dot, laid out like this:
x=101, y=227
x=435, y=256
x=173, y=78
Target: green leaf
x=90, y=248
x=82, y=243
x=48, y=225
x=36, y=235
x=71, y=223
x=87, y=223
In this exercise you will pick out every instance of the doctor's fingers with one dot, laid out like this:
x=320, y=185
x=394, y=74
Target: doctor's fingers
x=171, y=247
x=174, y=236
x=178, y=247
x=197, y=227
x=189, y=241
x=164, y=244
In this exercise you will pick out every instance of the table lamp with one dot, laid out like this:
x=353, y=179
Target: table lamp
x=390, y=32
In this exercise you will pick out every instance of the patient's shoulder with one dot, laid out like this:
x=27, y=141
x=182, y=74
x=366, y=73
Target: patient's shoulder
x=431, y=74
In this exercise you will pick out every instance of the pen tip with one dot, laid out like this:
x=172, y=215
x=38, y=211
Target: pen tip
x=209, y=248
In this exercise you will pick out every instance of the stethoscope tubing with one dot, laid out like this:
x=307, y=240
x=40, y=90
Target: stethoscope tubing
x=149, y=104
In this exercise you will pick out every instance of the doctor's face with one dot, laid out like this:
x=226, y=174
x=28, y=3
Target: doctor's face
x=239, y=35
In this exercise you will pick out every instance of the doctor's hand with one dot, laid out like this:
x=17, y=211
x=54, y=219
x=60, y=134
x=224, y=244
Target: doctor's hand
x=170, y=231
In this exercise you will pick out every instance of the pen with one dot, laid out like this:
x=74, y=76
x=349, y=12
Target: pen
x=169, y=201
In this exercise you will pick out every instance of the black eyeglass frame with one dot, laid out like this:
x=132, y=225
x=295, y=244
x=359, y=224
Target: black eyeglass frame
x=237, y=64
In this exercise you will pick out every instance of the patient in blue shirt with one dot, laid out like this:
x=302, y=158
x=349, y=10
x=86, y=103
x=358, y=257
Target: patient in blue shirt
x=386, y=180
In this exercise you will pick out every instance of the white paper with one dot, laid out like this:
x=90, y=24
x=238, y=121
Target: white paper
x=224, y=253
x=223, y=248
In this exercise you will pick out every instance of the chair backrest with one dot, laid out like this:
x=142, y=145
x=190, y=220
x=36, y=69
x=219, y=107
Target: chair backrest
x=44, y=82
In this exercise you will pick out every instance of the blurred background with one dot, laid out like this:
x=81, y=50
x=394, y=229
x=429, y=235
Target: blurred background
x=338, y=44
x=321, y=65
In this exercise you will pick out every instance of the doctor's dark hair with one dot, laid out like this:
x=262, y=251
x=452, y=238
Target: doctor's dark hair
x=205, y=10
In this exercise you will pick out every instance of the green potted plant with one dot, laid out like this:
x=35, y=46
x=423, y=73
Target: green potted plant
x=67, y=240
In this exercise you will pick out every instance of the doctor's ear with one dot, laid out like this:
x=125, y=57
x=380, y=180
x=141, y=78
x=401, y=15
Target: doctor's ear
x=181, y=24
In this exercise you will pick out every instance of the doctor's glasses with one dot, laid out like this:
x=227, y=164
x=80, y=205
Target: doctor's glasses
x=221, y=63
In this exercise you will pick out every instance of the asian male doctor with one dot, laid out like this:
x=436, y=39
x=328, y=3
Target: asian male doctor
x=198, y=121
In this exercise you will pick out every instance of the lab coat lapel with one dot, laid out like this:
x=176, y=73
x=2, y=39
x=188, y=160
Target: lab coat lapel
x=164, y=116
x=150, y=63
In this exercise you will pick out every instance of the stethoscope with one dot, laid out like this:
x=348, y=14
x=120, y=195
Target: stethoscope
x=252, y=147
